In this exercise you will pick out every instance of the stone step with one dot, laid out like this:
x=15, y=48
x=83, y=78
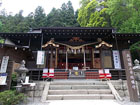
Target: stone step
x=80, y=96
x=64, y=92
x=76, y=77
x=63, y=87
x=79, y=83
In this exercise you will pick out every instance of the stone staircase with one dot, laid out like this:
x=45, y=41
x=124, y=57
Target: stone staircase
x=79, y=90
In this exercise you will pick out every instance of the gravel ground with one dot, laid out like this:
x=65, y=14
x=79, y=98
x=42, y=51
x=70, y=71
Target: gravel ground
x=37, y=101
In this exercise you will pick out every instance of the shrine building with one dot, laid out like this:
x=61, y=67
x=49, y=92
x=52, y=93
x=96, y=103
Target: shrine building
x=73, y=52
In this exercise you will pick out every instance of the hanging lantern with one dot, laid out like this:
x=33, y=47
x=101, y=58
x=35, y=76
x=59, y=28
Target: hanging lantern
x=15, y=48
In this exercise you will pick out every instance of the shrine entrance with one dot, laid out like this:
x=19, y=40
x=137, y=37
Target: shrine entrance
x=76, y=66
x=77, y=62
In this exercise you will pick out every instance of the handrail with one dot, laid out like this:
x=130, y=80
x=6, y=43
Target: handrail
x=114, y=92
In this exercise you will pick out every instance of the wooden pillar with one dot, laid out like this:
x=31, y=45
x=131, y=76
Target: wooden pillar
x=56, y=58
x=93, y=58
x=51, y=58
x=84, y=60
x=101, y=58
x=47, y=58
x=66, y=60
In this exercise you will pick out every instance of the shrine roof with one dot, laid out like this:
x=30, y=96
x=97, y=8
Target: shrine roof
x=74, y=28
x=17, y=46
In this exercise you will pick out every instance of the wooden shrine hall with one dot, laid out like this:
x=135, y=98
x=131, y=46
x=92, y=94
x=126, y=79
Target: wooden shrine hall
x=73, y=52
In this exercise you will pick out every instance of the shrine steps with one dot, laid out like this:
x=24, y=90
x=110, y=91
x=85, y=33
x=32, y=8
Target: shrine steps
x=79, y=90
x=80, y=96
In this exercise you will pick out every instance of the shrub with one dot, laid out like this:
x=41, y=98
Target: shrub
x=14, y=81
x=10, y=97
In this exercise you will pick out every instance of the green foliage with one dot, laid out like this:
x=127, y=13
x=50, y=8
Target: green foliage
x=120, y=14
x=135, y=50
x=81, y=13
x=0, y=26
x=14, y=81
x=39, y=17
x=93, y=14
x=124, y=15
x=11, y=97
x=63, y=17
x=54, y=18
x=1, y=40
x=14, y=23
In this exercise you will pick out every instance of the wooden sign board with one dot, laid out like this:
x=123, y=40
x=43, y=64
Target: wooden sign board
x=130, y=76
x=4, y=64
x=40, y=57
x=116, y=59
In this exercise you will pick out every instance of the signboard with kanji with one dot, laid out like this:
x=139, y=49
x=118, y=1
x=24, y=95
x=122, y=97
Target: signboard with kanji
x=116, y=59
x=130, y=76
x=40, y=57
x=4, y=64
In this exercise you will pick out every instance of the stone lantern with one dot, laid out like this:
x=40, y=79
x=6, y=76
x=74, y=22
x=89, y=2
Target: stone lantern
x=136, y=70
x=21, y=72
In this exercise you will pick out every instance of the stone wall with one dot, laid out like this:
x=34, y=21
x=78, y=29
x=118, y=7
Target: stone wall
x=37, y=92
x=121, y=87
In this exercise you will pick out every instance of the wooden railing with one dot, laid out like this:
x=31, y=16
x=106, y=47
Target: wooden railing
x=36, y=74
x=61, y=74
x=92, y=74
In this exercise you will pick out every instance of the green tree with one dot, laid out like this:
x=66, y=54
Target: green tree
x=81, y=13
x=29, y=21
x=54, y=18
x=14, y=23
x=0, y=26
x=1, y=40
x=93, y=14
x=20, y=24
x=124, y=15
x=39, y=17
x=135, y=50
x=63, y=17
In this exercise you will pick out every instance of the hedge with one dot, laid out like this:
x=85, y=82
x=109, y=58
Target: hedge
x=10, y=97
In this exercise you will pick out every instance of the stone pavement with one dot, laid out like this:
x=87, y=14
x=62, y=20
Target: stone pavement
x=80, y=102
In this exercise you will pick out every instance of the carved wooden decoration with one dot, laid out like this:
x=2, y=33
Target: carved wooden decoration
x=76, y=39
x=103, y=43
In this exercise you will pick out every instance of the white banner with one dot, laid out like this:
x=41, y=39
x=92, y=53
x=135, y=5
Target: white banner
x=116, y=58
x=4, y=64
x=45, y=73
x=51, y=72
x=40, y=57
